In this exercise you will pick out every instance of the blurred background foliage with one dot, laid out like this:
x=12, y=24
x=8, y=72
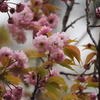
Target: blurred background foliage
x=5, y=38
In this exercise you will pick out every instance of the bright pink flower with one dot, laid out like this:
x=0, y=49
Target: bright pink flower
x=43, y=30
x=31, y=79
x=57, y=55
x=54, y=72
x=4, y=7
x=53, y=20
x=40, y=43
x=5, y=51
x=55, y=42
x=81, y=78
x=93, y=96
x=19, y=7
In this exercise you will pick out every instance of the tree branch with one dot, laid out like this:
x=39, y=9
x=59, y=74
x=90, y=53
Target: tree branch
x=67, y=14
x=88, y=23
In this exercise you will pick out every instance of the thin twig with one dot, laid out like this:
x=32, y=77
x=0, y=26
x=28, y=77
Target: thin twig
x=88, y=23
x=73, y=23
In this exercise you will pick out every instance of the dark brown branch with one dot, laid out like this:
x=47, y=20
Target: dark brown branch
x=88, y=23
x=71, y=74
x=36, y=89
x=94, y=26
x=67, y=14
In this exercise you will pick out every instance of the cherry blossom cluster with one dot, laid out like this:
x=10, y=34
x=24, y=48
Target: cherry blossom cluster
x=54, y=44
x=15, y=94
x=28, y=18
x=18, y=57
x=32, y=79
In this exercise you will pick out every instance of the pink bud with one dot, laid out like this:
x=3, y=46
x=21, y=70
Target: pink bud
x=93, y=96
x=12, y=10
x=4, y=7
x=10, y=21
x=19, y=7
x=81, y=78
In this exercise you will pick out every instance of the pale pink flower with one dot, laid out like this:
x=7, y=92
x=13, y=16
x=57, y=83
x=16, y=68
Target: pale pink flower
x=43, y=22
x=31, y=79
x=5, y=51
x=63, y=37
x=17, y=34
x=57, y=56
x=40, y=43
x=20, y=57
x=93, y=96
x=20, y=36
x=54, y=72
x=55, y=42
x=53, y=20
x=44, y=30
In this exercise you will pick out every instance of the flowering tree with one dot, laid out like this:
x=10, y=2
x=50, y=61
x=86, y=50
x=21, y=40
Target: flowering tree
x=41, y=17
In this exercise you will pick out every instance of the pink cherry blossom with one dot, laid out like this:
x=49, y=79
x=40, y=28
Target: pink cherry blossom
x=53, y=20
x=17, y=34
x=43, y=30
x=57, y=56
x=93, y=96
x=20, y=58
x=40, y=43
x=5, y=51
x=55, y=42
x=17, y=93
x=31, y=79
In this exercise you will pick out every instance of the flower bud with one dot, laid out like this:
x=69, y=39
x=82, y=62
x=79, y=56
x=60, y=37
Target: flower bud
x=19, y=7
x=81, y=78
x=4, y=7
x=10, y=21
x=12, y=10
x=93, y=96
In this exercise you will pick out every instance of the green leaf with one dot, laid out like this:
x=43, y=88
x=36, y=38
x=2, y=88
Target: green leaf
x=41, y=71
x=57, y=79
x=65, y=63
x=72, y=51
x=45, y=64
x=51, y=89
x=65, y=87
x=19, y=70
x=50, y=95
x=14, y=80
x=37, y=54
x=70, y=97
